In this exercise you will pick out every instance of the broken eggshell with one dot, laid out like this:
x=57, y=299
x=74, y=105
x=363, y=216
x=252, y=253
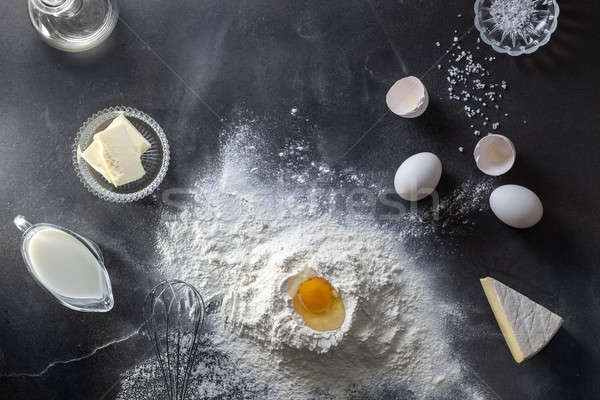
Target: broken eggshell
x=494, y=154
x=407, y=97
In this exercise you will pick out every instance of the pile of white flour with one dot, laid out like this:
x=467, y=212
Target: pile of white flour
x=244, y=233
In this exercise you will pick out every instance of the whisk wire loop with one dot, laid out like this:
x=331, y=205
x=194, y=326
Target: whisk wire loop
x=174, y=315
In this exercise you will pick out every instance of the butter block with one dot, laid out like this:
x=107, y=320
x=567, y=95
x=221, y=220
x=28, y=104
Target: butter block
x=140, y=143
x=93, y=156
x=120, y=155
x=526, y=326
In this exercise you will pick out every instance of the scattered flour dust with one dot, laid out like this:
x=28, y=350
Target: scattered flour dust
x=239, y=241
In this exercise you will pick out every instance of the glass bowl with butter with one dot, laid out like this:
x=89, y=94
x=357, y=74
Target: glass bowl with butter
x=121, y=154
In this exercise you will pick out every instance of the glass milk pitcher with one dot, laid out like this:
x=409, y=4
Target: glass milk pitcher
x=69, y=266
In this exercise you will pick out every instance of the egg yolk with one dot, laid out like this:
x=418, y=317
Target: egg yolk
x=316, y=294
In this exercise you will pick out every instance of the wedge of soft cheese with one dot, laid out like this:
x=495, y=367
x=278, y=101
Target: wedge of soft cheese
x=140, y=143
x=93, y=156
x=120, y=155
x=526, y=326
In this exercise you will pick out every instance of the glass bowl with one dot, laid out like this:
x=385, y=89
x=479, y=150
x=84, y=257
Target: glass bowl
x=155, y=160
x=516, y=27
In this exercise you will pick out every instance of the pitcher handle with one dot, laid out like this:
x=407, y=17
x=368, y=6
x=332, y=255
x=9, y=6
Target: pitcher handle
x=22, y=223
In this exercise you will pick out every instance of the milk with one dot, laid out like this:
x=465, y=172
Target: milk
x=65, y=265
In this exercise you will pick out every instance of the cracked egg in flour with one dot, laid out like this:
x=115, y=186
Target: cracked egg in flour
x=316, y=301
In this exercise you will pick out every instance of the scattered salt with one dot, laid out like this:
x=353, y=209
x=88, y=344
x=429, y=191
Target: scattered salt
x=470, y=82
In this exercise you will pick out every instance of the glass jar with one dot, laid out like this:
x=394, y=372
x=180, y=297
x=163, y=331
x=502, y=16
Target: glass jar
x=73, y=25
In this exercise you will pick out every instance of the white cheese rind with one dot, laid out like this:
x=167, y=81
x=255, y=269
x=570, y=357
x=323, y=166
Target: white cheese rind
x=527, y=326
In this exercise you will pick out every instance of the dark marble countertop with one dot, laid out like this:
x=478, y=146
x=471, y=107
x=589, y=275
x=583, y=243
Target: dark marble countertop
x=194, y=65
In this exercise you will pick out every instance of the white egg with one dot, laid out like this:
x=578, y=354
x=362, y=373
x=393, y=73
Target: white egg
x=494, y=154
x=407, y=97
x=418, y=176
x=516, y=206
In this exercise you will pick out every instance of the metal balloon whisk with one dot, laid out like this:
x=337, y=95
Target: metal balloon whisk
x=174, y=315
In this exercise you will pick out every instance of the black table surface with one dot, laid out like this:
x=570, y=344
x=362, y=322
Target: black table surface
x=193, y=65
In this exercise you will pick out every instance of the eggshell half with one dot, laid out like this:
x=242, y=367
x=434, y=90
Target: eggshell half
x=516, y=206
x=494, y=154
x=407, y=97
x=418, y=176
